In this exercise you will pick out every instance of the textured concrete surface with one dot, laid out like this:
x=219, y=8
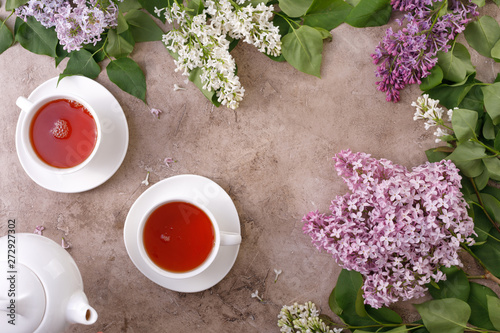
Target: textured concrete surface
x=272, y=155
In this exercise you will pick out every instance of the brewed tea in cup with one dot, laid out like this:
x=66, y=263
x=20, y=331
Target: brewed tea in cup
x=180, y=239
x=60, y=132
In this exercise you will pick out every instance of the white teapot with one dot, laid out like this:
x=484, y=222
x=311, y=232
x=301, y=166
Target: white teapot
x=41, y=289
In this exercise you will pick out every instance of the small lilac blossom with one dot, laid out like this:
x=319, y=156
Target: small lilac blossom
x=176, y=87
x=39, y=229
x=168, y=161
x=277, y=272
x=256, y=295
x=397, y=227
x=146, y=181
x=64, y=244
x=76, y=22
x=156, y=112
x=407, y=56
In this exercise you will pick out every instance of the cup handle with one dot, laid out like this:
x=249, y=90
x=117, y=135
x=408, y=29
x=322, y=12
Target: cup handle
x=24, y=103
x=229, y=238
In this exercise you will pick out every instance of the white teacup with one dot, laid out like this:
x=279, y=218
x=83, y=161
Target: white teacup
x=31, y=108
x=221, y=238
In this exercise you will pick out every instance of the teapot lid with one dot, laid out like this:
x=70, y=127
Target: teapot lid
x=22, y=307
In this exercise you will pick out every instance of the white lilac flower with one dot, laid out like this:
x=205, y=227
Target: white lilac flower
x=302, y=319
x=201, y=41
x=428, y=109
x=256, y=295
x=277, y=272
x=176, y=87
x=146, y=181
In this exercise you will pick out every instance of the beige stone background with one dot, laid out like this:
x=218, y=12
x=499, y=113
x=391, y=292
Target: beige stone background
x=272, y=155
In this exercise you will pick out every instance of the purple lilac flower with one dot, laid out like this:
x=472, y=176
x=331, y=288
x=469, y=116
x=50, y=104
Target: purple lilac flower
x=406, y=56
x=76, y=22
x=397, y=228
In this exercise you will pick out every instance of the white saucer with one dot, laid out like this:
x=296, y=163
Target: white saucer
x=114, y=142
x=201, y=190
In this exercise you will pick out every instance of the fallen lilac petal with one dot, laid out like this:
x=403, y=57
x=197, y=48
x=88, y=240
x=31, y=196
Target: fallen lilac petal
x=168, y=161
x=39, y=229
x=156, y=112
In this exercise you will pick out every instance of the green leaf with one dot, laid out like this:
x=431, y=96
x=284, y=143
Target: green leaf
x=81, y=63
x=347, y=298
x=6, y=37
x=354, y=3
x=325, y=34
x=195, y=7
x=493, y=166
x=143, y=27
x=448, y=315
x=302, y=48
x=482, y=224
x=128, y=76
x=494, y=310
x=359, y=305
x=36, y=38
x=488, y=128
x=451, y=96
x=61, y=54
x=332, y=302
x=96, y=50
x=489, y=254
x=479, y=305
x=455, y=63
x=295, y=8
x=383, y=315
x=492, y=206
x=370, y=13
x=493, y=191
x=483, y=34
x=497, y=141
x=122, y=23
x=495, y=51
x=13, y=4
x=479, y=3
x=327, y=14
x=399, y=329
x=348, y=285
x=128, y=5
x=150, y=5
x=467, y=157
x=456, y=285
x=433, y=79
x=434, y=155
x=482, y=180
x=464, y=124
x=474, y=100
x=118, y=46
x=492, y=101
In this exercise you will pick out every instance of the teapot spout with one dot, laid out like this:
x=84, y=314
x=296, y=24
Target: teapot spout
x=79, y=311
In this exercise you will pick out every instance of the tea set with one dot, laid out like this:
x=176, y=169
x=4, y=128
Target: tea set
x=49, y=285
